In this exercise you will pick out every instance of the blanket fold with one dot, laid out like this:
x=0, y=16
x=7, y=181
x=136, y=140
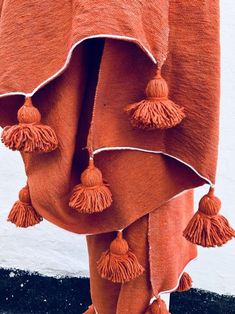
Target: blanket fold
x=114, y=107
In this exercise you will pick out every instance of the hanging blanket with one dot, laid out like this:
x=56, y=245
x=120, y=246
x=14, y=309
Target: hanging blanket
x=114, y=107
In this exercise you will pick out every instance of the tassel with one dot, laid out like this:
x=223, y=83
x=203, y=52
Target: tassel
x=207, y=227
x=185, y=283
x=91, y=310
x=157, y=307
x=92, y=195
x=157, y=111
x=22, y=213
x=29, y=135
x=119, y=264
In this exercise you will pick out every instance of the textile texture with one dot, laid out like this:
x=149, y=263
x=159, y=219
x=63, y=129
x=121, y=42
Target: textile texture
x=82, y=62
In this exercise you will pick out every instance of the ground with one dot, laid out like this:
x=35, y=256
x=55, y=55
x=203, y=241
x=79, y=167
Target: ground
x=23, y=293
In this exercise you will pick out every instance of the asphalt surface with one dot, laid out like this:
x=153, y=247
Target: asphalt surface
x=23, y=293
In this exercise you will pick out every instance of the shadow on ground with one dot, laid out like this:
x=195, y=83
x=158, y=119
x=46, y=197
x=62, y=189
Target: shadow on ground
x=23, y=293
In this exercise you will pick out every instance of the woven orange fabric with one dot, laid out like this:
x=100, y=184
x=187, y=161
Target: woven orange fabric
x=157, y=240
x=81, y=63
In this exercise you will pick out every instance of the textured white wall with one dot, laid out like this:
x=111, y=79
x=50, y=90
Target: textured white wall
x=44, y=248
x=215, y=268
x=53, y=251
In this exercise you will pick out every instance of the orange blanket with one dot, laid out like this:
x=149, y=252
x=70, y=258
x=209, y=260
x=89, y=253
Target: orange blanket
x=103, y=152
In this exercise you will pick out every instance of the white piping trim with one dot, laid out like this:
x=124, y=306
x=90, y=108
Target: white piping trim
x=96, y=151
x=124, y=227
x=173, y=289
x=69, y=55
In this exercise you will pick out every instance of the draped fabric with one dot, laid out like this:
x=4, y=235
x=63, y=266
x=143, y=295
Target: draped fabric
x=82, y=62
x=155, y=238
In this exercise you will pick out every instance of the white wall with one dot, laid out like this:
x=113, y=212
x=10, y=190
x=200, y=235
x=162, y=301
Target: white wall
x=215, y=268
x=53, y=251
x=44, y=248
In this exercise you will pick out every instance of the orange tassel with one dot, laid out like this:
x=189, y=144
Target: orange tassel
x=157, y=307
x=91, y=310
x=207, y=227
x=22, y=213
x=185, y=283
x=119, y=264
x=92, y=195
x=29, y=135
x=157, y=111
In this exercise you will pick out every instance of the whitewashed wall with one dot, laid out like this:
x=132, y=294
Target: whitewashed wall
x=55, y=252
x=215, y=268
x=44, y=248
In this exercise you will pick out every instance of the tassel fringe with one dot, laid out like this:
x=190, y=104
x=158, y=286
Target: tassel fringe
x=157, y=307
x=22, y=213
x=90, y=310
x=207, y=227
x=92, y=195
x=157, y=111
x=185, y=283
x=29, y=135
x=119, y=264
